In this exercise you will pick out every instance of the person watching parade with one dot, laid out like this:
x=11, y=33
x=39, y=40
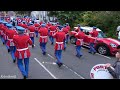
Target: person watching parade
x=43, y=31
x=116, y=66
x=59, y=46
x=22, y=53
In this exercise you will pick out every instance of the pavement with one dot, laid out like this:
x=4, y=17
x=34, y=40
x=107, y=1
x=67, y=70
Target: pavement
x=44, y=67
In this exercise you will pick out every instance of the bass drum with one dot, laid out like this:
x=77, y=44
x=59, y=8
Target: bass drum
x=100, y=71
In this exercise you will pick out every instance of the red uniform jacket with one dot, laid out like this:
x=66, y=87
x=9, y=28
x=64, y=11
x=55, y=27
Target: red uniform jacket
x=49, y=24
x=0, y=29
x=8, y=19
x=4, y=28
x=92, y=39
x=18, y=20
x=20, y=24
x=21, y=42
x=32, y=31
x=52, y=30
x=41, y=22
x=78, y=29
x=43, y=31
x=80, y=36
x=94, y=33
x=10, y=34
x=60, y=37
x=68, y=27
x=36, y=26
x=65, y=30
x=24, y=26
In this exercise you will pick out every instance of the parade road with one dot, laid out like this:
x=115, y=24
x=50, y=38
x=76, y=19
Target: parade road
x=44, y=67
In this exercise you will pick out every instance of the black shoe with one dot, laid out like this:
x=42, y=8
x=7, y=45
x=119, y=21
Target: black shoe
x=8, y=50
x=32, y=46
x=64, y=49
x=3, y=43
x=90, y=52
x=14, y=61
x=59, y=64
x=44, y=53
x=94, y=53
x=52, y=43
x=80, y=56
x=24, y=77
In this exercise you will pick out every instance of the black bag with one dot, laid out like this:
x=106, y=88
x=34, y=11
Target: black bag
x=112, y=72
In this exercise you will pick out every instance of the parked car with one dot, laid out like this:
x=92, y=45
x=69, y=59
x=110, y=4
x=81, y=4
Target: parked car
x=103, y=44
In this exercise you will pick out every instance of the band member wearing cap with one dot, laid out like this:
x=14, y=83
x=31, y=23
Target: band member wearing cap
x=1, y=29
x=94, y=34
x=31, y=28
x=22, y=53
x=52, y=31
x=24, y=25
x=80, y=36
x=43, y=31
x=10, y=33
x=66, y=33
x=37, y=25
x=67, y=26
x=5, y=37
x=59, y=46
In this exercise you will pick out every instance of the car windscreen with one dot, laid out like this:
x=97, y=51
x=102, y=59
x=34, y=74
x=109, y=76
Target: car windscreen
x=101, y=35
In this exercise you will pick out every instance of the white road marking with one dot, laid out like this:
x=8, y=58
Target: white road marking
x=68, y=68
x=103, y=56
x=53, y=63
x=50, y=56
x=45, y=68
x=74, y=72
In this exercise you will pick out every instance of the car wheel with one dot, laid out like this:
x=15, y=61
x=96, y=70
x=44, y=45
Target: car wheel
x=72, y=40
x=103, y=50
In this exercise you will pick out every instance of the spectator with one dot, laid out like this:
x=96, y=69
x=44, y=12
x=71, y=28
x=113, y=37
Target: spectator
x=115, y=68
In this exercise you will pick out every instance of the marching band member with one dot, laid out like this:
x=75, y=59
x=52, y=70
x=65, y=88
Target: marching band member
x=80, y=36
x=10, y=33
x=43, y=31
x=52, y=31
x=59, y=46
x=31, y=28
x=22, y=53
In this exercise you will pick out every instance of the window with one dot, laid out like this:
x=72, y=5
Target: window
x=101, y=35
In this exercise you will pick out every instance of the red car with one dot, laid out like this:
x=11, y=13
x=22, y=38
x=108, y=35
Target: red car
x=103, y=45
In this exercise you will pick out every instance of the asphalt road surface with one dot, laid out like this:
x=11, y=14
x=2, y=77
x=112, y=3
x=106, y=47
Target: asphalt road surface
x=44, y=67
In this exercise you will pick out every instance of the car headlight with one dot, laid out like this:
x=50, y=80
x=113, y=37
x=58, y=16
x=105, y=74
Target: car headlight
x=113, y=45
